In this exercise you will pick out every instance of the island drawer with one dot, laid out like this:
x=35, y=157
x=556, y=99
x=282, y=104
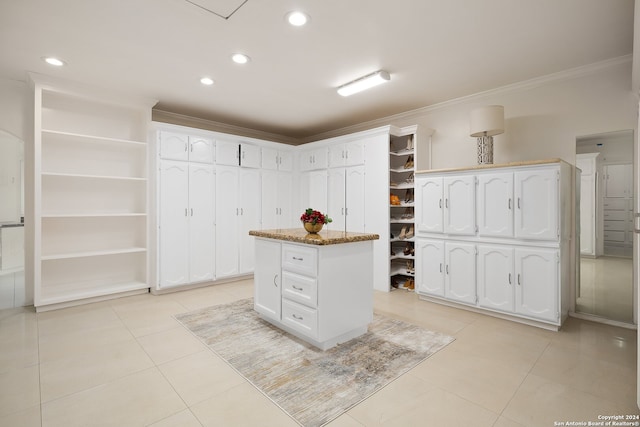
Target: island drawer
x=299, y=288
x=300, y=318
x=300, y=259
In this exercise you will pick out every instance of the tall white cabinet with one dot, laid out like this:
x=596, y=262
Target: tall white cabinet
x=186, y=210
x=86, y=189
x=498, y=239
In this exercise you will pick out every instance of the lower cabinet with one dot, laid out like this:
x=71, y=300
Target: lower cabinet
x=520, y=281
x=319, y=294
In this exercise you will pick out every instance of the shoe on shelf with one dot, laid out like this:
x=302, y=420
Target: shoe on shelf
x=409, y=234
x=403, y=233
x=410, y=142
x=408, y=197
x=410, y=178
x=407, y=249
x=394, y=200
x=410, y=284
x=409, y=163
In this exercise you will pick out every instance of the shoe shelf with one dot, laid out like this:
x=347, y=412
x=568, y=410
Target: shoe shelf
x=401, y=212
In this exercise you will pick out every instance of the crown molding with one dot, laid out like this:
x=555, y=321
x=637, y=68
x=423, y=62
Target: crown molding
x=196, y=122
x=569, y=74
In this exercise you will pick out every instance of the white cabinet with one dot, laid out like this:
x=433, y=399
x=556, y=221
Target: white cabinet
x=511, y=263
x=312, y=159
x=346, y=154
x=233, y=153
x=321, y=294
x=346, y=193
x=268, y=279
x=250, y=156
x=618, y=180
x=237, y=211
x=186, y=212
x=460, y=272
x=536, y=293
x=446, y=204
x=177, y=146
x=495, y=207
x=314, y=190
x=536, y=204
x=273, y=159
x=89, y=193
x=277, y=190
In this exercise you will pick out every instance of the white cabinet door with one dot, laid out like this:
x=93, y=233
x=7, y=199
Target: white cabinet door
x=537, y=283
x=336, y=199
x=536, y=212
x=495, y=204
x=269, y=158
x=174, y=146
x=227, y=153
x=201, y=223
x=227, y=219
x=268, y=279
x=285, y=161
x=249, y=202
x=354, y=199
x=270, y=199
x=200, y=149
x=618, y=180
x=314, y=191
x=337, y=156
x=354, y=153
x=459, y=204
x=174, y=223
x=460, y=272
x=286, y=216
x=250, y=156
x=496, y=279
x=429, y=259
x=429, y=204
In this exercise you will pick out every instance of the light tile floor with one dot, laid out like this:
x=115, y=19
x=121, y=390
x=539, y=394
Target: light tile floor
x=127, y=362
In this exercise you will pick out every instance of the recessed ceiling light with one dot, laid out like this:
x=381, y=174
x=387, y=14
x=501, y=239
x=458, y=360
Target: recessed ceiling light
x=297, y=18
x=53, y=61
x=240, y=58
x=206, y=81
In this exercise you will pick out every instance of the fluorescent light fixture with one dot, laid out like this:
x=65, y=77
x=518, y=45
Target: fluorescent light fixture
x=297, y=18
x=207, y=81
x=53, y=61
x=364, y=83
x=240, y=58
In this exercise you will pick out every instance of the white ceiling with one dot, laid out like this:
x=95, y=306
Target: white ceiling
x=435, y=50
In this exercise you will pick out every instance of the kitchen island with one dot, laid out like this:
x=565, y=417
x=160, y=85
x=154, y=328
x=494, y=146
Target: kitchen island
x=317, y=287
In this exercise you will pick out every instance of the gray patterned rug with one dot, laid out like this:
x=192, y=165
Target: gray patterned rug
x=312, y=386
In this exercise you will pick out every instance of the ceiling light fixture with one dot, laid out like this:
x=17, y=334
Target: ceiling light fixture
x=240, y=58
x=207, y=81
x=364, y=83
x=297, y=18
x=53, y=61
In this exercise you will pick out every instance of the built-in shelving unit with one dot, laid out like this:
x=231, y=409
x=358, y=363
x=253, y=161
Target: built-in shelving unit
x=89, y=230
x=402, y=160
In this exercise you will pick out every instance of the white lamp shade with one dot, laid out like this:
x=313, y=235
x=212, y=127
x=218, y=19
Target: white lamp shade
x=487, y=121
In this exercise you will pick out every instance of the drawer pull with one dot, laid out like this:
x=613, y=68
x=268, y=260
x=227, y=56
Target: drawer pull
x=297, y=288
x=274, y=280
x=298, y=259
x=295, y=316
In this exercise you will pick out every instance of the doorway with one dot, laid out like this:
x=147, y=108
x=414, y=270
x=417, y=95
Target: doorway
x=605, y=288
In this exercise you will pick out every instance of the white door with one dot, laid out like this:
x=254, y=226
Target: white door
x=250, y=156
x=269, y=158
x=227, y=153
x=429, y=263
x=336, y=198
x=249, y=202
x=496, y=277
x=354, y=199
x=268, y=279
x=495, y=204
x=537, y=283
x=314, y=192
x=459, y=204
x=285, y=161
x=174, y=146
x=227, y=219
x=201, y=223
x=354, y=153
x=200, y=149
x=286, y=216
x=337, y=156
x=618, y=180
x=174, y=223
x=460, y=272
x=536, y=211
x=270, y=199
x=429, y=204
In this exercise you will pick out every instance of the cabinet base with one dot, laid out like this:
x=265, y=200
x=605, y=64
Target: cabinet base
x=525, y=321
x=322, y=345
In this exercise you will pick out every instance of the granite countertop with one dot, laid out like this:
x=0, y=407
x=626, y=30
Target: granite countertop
x=502, y=165
x=325, y=237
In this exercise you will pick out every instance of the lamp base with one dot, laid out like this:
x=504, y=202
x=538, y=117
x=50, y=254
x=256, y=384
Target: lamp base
x=485, y=150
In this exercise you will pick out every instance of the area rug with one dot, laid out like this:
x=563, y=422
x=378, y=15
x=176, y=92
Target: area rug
x=311, y=385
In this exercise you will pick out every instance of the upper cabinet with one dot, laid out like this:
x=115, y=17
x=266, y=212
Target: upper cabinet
x=346, y=154
x=273, y=159
x=176, y=146
x=233, y=153
x=312, y=159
